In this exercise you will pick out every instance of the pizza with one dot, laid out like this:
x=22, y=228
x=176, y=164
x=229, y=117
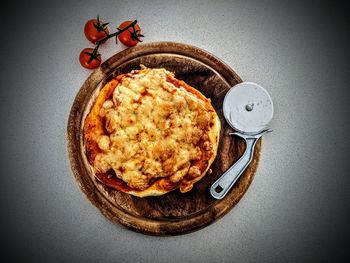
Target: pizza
x=149, y=133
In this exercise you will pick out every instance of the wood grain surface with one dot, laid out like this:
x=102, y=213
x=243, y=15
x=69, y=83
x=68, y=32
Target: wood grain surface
x=173, y=213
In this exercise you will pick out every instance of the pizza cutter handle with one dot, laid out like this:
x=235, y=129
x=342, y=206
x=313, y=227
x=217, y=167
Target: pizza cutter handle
x=221, y=186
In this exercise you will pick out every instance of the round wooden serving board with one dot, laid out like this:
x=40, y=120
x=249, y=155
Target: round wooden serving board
x=173, y=213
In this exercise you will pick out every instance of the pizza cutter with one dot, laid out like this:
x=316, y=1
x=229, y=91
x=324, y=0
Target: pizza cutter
x=248, y=108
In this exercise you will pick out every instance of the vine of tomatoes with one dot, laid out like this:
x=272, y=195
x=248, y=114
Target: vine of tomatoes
x=128, y=32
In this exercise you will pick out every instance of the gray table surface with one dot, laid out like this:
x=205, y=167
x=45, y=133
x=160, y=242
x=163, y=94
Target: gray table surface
x=297, y=206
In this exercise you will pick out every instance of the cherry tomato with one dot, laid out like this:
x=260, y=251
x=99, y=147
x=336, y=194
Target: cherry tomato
x=95, y=30
x=85, y=56
x=126, y=37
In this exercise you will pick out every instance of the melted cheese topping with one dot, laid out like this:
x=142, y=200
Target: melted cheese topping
x=154, y=130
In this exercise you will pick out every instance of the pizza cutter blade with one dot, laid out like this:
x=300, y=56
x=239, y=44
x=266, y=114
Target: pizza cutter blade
x=248, y=108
